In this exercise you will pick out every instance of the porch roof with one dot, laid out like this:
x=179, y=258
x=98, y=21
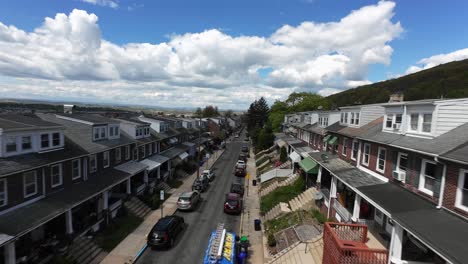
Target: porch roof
x=345, y=171
x=132, y=167
x=174, y=152
x=22, y=220
x=444, y=232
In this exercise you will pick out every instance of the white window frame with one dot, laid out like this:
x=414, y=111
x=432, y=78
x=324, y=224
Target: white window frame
x=378, y=160
x=420, y=122
x=356, y=118
x=99, y=129
x=344, y=150
x=118, y=154
x=52, y=139
x=4, y=192
x=60, y=175
x=74, y=177
x=352, y=118
x=364, y=154
x=462, y=177
x=104, y=163
x=26, y=195
x=422, y=177
x=353, y=148
x=346, y=118
x=401, y=154
x=342, y=118
x=409, y=123
x=92, y=169
x=127, y=152
x=30, y=142
x=15, y=139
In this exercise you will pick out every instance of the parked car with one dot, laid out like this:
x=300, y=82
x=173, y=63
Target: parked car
x=188, y=200
x=233, y=204
x=165, y=231
x=237, y=188
x=200, y=184
x=243, y=157
x=239, y=172
x=209, y=174
x=240, y=164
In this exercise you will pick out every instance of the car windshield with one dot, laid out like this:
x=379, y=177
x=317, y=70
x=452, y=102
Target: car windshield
x=184, y=199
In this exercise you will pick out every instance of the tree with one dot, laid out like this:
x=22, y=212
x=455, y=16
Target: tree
x=283, y=155
x=198, y=112
x=228, y=113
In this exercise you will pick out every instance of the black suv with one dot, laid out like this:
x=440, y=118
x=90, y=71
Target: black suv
x=165, y=231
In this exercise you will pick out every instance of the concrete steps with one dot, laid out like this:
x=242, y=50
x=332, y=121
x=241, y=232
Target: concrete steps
x=280, y=209
x=276, y=185
x=303, y=201
x=85, y=251
x=137, y=207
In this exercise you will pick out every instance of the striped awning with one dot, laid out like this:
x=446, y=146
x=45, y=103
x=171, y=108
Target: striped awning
x=333, y=141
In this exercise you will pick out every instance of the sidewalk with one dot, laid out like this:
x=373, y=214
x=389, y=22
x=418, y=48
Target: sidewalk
x=252, y=212
x=135, y=243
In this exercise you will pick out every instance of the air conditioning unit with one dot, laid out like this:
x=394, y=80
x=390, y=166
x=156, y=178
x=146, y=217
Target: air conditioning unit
x=396, y=126
x=399, y=175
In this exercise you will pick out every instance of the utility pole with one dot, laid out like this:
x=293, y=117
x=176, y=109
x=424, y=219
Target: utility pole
x=198, y=147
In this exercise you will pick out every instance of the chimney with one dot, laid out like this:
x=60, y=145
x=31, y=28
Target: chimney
x=396, y=97
x=68, y=109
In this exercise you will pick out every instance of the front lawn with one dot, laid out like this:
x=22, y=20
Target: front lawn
x=281, y=194
x=115, y=232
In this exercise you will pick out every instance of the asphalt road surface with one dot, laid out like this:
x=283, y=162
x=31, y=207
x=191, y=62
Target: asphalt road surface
x=192, y=242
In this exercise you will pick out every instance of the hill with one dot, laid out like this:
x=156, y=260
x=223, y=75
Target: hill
x=448, y=80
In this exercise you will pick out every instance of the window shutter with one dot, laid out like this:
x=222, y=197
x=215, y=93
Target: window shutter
x=417, y=171
x=438, y=179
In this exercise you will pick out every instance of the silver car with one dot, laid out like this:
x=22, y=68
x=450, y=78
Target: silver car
x=188, y=200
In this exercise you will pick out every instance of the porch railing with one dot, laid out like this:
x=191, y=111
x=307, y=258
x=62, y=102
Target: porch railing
x=115, y=205
x=345, y=243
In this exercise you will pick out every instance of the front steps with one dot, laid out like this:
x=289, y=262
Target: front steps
x=277, y=184
x=85, y=251
x=303, y=201
x=137, y=207
x=279, y=209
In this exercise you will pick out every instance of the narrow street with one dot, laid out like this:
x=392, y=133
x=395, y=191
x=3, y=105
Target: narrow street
x=191, y=244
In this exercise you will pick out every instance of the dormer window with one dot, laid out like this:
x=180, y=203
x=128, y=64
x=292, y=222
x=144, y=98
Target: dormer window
x=393, y=121
x=26, y=143
x=420, y=122
x=45, y=142
x=99, y=133
x=114, y=131
x=11, y=144
x=56, y=139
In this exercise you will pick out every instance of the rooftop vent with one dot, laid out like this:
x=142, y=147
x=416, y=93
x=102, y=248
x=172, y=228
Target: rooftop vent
x=396, y=97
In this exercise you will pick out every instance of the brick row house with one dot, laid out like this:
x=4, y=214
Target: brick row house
x=399, y=167
x=67, y=174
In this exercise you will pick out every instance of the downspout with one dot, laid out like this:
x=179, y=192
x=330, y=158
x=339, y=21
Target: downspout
x=442, y=183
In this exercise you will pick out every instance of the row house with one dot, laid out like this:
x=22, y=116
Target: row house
x=400, y=168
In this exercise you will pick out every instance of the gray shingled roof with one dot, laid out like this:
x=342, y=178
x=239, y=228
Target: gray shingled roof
x=81, y=135
x=174, y=152
x=133, y=120
x=443, y=231
x=18, y=122
x=92, y=118
x=345, y=171
x=22, y=220
x=460, y=153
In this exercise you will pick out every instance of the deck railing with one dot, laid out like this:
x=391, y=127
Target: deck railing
x=345, y=244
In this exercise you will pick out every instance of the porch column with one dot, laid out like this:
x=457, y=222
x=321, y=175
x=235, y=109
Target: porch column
x=105, y=200
x=357, y=207
x=69, y=222
x=334, y=183
x=159, y=172
x=319, y=175
x=145, y=177
x=396, y=244
x=129, y=186
x=10, y=253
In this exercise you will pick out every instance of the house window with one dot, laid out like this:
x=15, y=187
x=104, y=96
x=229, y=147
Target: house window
x=111, y=131
x=355, y=151
x=56, y=139
x=357, y=119
x=3, y=192
x=366, y=154
x=402, y=163
x=29, y=184
x=346, y=118
x=11, y=144
x=389, y=121
x=103, y=132
x=427, y=121
x=92, y=163
x=414, y=122
x=381, y=160
x=118, y=154
x=427, y=177
x=76, y=169
x=342, y=118
x=45, y=141
x=56, y=175
x=26, y=143
x=398, y=118
x=461, y=200
x=135, y=153
x=155, y=148
x=105, y=159
x=345, y=147
x=127, y=152
x=352, y=118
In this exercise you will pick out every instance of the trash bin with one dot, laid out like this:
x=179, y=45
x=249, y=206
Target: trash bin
x=257, y=225
x=254, y=182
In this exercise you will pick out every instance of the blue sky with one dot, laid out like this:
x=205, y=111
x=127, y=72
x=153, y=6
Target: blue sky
x=411, y=31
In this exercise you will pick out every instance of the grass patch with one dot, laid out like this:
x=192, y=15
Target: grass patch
x=261, y=160
x=282, y=194
x=275, y=225
x=117, y=231
x=174, y=183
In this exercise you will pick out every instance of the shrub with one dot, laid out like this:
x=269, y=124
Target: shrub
x=321, y=218
x=283, y=155
x=271, y=240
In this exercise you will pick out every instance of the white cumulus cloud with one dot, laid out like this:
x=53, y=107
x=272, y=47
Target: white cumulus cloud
x=436, y=60
x=108, y=3
x=68, y=51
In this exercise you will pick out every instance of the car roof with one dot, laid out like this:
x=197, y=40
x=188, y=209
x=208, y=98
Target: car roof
x=164, y=222
x=186, y=194
x=233, y=196
x=206, y=171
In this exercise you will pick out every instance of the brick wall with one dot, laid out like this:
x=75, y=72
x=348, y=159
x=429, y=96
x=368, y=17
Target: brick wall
x=451, y=184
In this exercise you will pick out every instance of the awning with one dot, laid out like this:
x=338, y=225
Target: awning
x=326, y=138
x=183, y=155
x=131, y=167
x=333, y=141
x=295, y=157
x=309, y=166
